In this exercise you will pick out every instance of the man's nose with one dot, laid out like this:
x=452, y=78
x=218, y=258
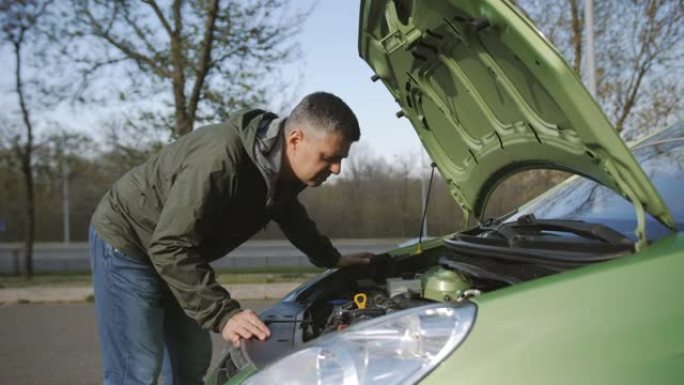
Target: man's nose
x=336, y=167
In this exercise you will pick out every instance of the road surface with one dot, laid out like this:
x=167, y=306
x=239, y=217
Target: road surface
x=58, y=345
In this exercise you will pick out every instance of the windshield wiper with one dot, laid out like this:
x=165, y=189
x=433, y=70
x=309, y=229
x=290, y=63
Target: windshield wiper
x=541, y=243
x=529, y=224
x=530, y=232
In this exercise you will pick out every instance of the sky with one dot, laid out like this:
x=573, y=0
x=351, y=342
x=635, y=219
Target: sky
x=331, y=63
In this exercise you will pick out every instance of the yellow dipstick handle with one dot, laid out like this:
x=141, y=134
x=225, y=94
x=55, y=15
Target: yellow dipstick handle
x=360, y=300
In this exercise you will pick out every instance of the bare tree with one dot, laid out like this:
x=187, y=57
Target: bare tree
x=61, y=155
x=213, y=56
x=405, y=166
x=640, y=47
x=18, y=19
x=128, y=145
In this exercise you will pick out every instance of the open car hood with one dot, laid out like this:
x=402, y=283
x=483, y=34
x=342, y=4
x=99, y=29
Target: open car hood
x=489, y=96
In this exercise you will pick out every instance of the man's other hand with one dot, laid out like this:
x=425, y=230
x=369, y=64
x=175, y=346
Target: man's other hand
x=244, y=325
x=354, y=259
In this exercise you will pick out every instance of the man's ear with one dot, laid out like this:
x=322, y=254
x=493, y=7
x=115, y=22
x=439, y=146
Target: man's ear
x=294, y=137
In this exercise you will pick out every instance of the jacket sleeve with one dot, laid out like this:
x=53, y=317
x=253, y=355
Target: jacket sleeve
x=302, y=232
x=192, y=208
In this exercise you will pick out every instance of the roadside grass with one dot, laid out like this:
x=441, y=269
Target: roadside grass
x=226, y=277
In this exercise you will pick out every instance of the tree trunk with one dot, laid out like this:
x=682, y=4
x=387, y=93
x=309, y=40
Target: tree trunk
x=576, y=36
x=183, y=121
x=26, y=167
x=186, y=110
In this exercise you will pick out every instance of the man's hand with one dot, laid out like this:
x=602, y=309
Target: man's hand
x=354, y=259
x=244, y=325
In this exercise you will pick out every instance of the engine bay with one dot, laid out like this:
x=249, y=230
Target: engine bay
x=367, y=298
x=338, y=299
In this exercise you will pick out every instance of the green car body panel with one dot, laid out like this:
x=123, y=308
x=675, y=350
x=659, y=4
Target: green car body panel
x=489, y=97
x=618, y=322
x=238, y=378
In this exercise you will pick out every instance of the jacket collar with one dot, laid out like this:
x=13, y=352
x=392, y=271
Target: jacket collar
x=268, y=153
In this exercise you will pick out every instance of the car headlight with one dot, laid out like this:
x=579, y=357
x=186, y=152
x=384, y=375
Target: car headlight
x=399, y=348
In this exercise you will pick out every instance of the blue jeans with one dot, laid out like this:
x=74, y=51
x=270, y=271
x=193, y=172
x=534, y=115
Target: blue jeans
x=142, y=328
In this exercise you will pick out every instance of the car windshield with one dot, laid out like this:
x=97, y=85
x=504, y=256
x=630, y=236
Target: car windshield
x=662, y=158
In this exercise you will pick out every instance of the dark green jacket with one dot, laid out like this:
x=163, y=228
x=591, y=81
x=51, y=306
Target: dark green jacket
x=196, y=200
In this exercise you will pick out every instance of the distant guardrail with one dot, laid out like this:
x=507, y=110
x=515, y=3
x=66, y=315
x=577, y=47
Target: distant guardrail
x=62, y=257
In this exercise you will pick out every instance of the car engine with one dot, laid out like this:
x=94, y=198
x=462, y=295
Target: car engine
x=338, y=299
x=367, y=298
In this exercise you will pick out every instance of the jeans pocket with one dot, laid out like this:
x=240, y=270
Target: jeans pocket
x=107, y=255
x=135, y=275
x=99, y=250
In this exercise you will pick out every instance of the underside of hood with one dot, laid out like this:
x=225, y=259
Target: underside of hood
x=489, y=97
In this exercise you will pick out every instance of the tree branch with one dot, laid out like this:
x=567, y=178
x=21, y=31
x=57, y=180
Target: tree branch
x=204, y=64
x=123, y=47
x=160, y=15
x=91, y=70
x=631, y=97
x=140, y=33
x=640, y=67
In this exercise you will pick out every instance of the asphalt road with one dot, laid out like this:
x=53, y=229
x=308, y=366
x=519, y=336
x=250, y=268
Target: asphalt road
x=58, y=345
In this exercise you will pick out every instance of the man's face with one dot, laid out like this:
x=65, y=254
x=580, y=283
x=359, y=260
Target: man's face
x=313, y=157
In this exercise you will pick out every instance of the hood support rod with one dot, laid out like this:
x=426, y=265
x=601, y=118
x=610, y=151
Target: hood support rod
x=425, y=207
x=640, y=230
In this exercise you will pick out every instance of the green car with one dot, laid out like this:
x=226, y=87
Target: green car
x=578, y=286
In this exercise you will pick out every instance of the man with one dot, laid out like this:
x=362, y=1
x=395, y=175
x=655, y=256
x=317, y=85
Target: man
x=156, y=230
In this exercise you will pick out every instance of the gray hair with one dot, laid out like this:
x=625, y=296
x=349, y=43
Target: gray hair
x=324, y=113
